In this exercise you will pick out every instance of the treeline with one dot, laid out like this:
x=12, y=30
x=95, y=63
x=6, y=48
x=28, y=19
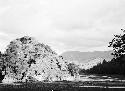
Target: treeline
x=115, y=66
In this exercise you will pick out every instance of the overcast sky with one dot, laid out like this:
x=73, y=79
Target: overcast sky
x=65, y=25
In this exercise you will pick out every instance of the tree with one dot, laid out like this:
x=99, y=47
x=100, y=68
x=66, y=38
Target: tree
x=73, y=69
x=2, y=66
x=26, y=58
x=22, y=53
x=117, y=64
x=118, y=44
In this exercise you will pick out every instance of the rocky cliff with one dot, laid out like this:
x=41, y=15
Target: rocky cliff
x=27, y=59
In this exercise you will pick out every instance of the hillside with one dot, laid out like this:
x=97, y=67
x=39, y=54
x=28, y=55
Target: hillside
x=87, y=60
x=83, y=57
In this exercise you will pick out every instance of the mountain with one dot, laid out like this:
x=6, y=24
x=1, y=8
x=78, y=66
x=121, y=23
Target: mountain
x=27, y=59
x=87, y=59
x=84, y=57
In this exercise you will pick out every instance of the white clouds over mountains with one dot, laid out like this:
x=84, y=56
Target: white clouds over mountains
x=63, y=24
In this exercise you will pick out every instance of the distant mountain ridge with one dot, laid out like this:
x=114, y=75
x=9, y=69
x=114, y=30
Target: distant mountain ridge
x=87, y=60
x=85, y=57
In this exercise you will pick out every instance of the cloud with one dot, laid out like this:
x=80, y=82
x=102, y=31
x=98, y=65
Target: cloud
x=63, y=24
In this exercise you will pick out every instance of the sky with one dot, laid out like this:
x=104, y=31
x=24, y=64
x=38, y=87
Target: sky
x=65, y=25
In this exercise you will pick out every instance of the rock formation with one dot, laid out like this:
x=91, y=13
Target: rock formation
x=27, y=59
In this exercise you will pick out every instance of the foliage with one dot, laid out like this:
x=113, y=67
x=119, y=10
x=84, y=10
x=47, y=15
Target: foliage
x=117, y=64
x=112, y=67
x=73, y=69
x=118, y=44
x=2, y=66
x=27, y=58
x=23, y=52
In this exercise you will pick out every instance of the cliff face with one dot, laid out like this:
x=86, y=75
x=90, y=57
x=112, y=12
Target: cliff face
x=27, y=58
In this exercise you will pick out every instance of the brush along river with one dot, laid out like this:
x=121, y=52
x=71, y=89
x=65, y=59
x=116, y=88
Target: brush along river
x=85, y=83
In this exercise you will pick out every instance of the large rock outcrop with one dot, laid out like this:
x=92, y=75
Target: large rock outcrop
x=27, y=59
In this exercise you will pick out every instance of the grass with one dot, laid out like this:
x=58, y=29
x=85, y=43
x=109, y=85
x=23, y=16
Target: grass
x=63, y=86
